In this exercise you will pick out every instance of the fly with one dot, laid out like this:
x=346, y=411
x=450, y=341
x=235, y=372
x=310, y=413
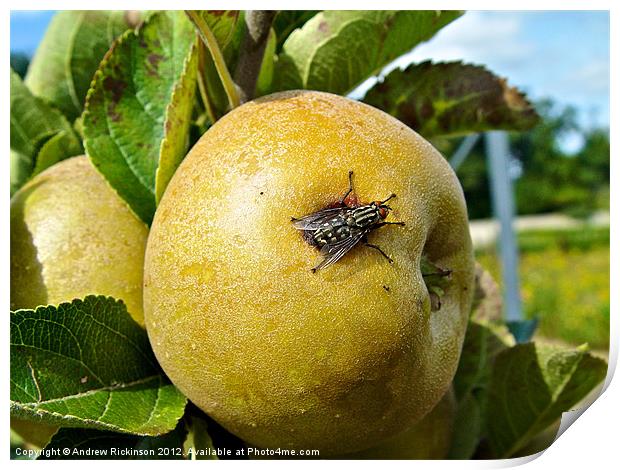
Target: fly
x=337, y=230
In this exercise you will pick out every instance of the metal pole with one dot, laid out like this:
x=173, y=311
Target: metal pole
x=498, y=156
x=463, y=151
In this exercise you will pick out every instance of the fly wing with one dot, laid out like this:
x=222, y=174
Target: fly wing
x=315, y=220
x=332, y=252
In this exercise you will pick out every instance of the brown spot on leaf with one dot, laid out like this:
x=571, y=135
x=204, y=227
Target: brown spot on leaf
x=427, y=110
x=324, y=27
x=389, y=22
x=407, y=113
x=447, y=122
x=115, y=86
x=154, y=60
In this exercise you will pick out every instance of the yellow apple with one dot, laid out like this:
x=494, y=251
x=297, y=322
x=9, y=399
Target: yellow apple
x=71, y=236
x=336, y=360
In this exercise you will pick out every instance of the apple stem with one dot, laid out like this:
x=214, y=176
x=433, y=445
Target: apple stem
x=436, y=279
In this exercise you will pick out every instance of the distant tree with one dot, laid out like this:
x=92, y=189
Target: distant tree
x=546, y=185
x=19, y=63
x=592, y=167
x=474, y=178
x=551, y=180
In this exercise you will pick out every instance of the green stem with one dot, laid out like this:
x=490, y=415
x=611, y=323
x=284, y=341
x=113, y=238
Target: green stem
x=218, y=59
x=202, y=83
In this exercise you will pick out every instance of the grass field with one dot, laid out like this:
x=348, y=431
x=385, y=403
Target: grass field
x=565, y=282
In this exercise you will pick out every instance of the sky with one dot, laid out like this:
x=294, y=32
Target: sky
x=559, y=54
x=27, y=29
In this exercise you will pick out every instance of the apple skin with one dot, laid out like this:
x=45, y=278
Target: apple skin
x=71, y=236
x=281, y=356
x=428, y=439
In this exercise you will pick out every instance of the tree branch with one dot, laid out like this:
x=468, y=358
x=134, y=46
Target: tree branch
x=257, y=26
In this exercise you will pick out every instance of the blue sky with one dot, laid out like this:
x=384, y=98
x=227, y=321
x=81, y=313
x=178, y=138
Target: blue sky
x=27, y=29
x=560, y=54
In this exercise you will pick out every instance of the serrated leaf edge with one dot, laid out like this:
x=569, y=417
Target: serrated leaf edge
x=28, y=410
x=160, y=185
x=529, y=434
x=98, y=77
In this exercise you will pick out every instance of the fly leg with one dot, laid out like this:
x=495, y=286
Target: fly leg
x=370, y=245
x=350, y=190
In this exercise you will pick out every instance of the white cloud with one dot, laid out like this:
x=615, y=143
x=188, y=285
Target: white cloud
x=593, y=77
x=478, y=36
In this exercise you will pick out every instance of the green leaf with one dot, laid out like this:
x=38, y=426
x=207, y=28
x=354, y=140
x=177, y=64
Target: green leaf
x=451, y=98
x=481, y=346
x=166, y=447
x=199, y=445
x=232, y=48
x=214, y=90
x=466, y=429
x=228, y=29
x=531, y=386
x=127, y=105
x=88, y=364
x=483, y=342
x=177, y=124
x=265, y=75
x=21, y=169
x=70, y=444
x=222, y=24
x=68, y=56
x=286, y=21
x=51, y=152
x=337, y=50
x=33, y=124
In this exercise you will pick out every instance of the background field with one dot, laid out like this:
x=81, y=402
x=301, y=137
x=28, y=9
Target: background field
x=565, y=282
